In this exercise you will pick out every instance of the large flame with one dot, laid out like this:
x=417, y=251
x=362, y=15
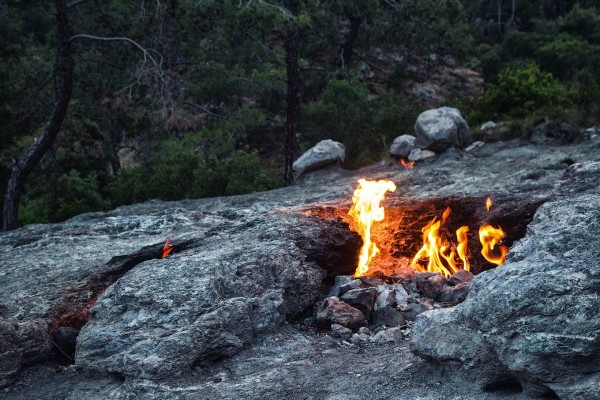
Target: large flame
x=365, y=211
x=440, y=257
x=489, y=238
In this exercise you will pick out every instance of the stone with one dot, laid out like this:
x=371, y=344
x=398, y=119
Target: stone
x=352, y=284
x=441, y=128
x=412, y=310
x=555, y=131
x=461, y=276
x=340, y=281
x=487, y=125
x=359, y=338
x=430, y=284
x=402, y=146
x=454, y=294
x=362, y=299
x=323, y=154
x=365, y=330
x=474, y=146
x=332, y=310
x=371, y=281
x=401, y=295
x=420, y=155
x=392, y=335
x=387, y=316
x=341, y=332
x=386, y=296
x=534, y=319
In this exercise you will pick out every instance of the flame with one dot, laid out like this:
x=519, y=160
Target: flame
x=489, y=238
x=366, y=210
x=167, y=248
x=437, y=251
x=488, y=203
x=406, y=164
x=461, y=236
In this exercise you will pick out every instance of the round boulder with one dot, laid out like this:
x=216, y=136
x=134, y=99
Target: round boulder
x=402, y=146
x=441, y=128
x=324, y=153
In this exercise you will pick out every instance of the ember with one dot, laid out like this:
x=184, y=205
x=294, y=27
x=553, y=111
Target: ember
x=365, y=211
x=488, y=203
x=406, y=164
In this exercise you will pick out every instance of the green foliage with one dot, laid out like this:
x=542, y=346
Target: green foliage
x=523, y=90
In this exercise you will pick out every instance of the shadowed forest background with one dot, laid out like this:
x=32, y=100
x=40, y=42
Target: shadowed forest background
x=186, y=99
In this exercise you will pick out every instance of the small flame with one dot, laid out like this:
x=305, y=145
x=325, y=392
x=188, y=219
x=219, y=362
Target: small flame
x=488, y=203
x=489, y=238
x=167, y=248
x=406, y=164
x=461, y=236
x=366, y=210
x=435, y=248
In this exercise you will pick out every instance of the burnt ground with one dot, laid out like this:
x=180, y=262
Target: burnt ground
x=285, y=365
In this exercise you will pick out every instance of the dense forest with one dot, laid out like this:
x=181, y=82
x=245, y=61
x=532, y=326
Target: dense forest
x=174, y=99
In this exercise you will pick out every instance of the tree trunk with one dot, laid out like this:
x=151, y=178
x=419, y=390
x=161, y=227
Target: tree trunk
x=348, y=47
x=292, y=44
x=41, y=144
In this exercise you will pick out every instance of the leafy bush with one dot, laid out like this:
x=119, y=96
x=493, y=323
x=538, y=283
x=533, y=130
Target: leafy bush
x=523, y=90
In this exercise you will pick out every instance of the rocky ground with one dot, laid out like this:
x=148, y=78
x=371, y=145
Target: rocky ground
x=223, y=316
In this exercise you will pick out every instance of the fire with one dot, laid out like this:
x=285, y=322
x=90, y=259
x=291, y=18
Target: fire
x=441, y=258
x=489, y=238
x=366, y=210
x=488, y=203
x=167, y=248
x=406, y=164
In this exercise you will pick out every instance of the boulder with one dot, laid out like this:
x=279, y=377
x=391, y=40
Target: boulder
x=555, y=131
x=363, y=299
x=333, y=311
x=402, y=146
x=441, y=128
x=323, y=154
x=420, y=155
x=535, y=320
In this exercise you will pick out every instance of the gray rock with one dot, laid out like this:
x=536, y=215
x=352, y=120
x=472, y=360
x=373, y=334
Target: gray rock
x=341, y=332
x=340, y=281
x=362, y=299
x=412, y=310
x=474, y=146
x=401, y=295
x=441, y=128
x=420, y=155
x=402, y=146
x=352, y=284
x=387, y=316
x=535, y=318
x=332, y=310
x=555, y=131
x=386, y=296
x=392, y=335
x=487, y=125
x=365, y=330
x=359, y=338
x=324, y=153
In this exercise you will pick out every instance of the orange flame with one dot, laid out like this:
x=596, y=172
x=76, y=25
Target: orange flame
x=489, y=238
x=436, y=250
x=488, y=203
x=406, y=164
x=461, y=236
x=167, y=248
x=366, y=210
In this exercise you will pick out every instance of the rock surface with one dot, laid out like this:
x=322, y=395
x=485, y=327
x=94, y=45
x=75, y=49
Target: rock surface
x=242, y=267
x=441, y=128
x=536, y=317
x=324, y=153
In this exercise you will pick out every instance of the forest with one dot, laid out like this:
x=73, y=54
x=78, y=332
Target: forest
x=107, y=103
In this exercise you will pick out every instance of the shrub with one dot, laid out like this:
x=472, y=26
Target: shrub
x=523, y=90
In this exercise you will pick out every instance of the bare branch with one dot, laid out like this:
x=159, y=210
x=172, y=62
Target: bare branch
x=144, y=50
x=284, y=10
x=207, y=111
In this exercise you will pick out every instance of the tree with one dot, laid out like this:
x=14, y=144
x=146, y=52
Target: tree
x=64, y=89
